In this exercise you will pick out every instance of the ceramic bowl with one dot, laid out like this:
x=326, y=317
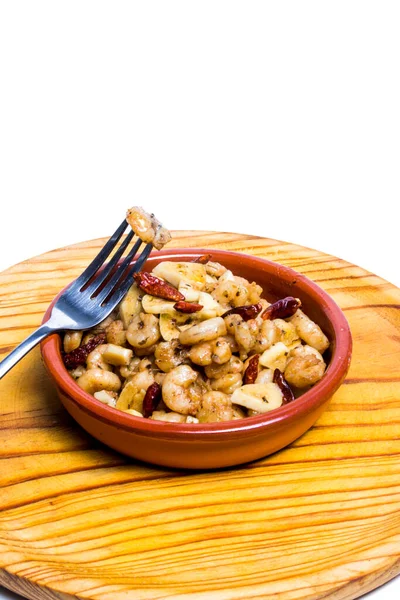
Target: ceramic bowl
x=214, y=445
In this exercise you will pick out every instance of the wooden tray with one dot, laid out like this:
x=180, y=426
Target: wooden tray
x=319, y=519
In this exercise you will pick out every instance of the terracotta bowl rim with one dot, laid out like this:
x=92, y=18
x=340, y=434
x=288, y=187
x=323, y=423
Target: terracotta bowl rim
x=308, y=402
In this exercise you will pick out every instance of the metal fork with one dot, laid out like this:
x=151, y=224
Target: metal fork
x=91, y=297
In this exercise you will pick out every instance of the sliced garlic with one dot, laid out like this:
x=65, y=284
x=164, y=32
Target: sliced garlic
x=287, y=333
x=203, y=332
x=177, y=273
x=190, y=419
x=130, y=305
x=227, y=276
x=275, y=357
x=171, y=417
x=265, y=376
x=131, y=395
x=117, y=355
x=190, y=293
x=105, y=397
x=261, y=397
x=156, y=306
x=168, y=329
x=133, y=412
x=211, y=308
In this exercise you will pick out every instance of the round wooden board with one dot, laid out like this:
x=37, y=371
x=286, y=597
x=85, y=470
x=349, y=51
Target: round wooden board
x=319, y=519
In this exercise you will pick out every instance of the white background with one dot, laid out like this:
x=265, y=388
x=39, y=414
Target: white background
x=280, y=119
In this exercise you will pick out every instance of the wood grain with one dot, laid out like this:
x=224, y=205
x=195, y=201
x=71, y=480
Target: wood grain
x=320, y=519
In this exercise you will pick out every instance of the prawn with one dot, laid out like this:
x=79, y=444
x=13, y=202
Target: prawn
x=305, y=366
x=215, y=406
x=143, y=331
x=182, y=390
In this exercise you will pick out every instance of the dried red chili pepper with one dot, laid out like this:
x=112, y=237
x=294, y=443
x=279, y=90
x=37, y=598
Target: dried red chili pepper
x=283, y=385
x=151, y=399
x=157, y=287
x=246, y=312
x=282, y=309
x=203, y=259
x=250, y=374
x=79, y=355
x=187, y=307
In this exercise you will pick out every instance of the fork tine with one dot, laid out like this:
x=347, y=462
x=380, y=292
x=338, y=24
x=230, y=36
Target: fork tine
x=120, y=292
x=100, y=258
x=119, y=273
x=109, y=266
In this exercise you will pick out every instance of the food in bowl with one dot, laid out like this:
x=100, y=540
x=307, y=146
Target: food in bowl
x=223, y=443
x=192, y=342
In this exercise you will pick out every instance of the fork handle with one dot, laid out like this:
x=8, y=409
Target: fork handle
x=20, y=351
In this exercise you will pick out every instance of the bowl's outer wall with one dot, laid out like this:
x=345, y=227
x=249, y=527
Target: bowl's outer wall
x=198, y=454
x=211, y=448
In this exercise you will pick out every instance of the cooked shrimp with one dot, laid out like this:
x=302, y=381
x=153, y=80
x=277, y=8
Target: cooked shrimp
x=203, y=332
x=233, y=365
x=215, y=269
x=116, y=333
x=231, y=322
x=236, y=291
x=169, y=417
x=227, y=383
x=146, y=351
x=267, y=335
x=169, y=355
x=305, y=366
x=230, y=339
x=221, y=351
x=215, y=406
x=254, y=290
x=230, y=293
x=146, y=364
x=134, y=391
x=309, y=331
x=94, y=380
x=147, y=227
x=130, y=369
x=103, y=325
x=143, y=331
x=141, y=223
x=95, y=358
x=245, y=335
x=181, y=390
x=201, y=354
x=254, y=293
x=72, y=340
x=275, y=331
x=205, y=353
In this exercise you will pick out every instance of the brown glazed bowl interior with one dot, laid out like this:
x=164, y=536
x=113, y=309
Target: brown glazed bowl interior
x=213, y=445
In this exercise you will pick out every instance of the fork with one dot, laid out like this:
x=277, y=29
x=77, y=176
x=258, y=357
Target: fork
x=91, y=297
